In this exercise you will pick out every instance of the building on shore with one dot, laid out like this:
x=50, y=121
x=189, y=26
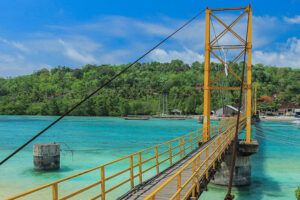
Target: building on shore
x=226, y=111
x=175, y=112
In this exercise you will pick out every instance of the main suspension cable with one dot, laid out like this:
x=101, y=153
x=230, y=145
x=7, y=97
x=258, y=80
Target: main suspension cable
x=102, y=86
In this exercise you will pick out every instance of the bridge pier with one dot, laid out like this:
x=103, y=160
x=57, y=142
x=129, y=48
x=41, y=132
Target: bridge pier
x=46, y=156
x=242, y=170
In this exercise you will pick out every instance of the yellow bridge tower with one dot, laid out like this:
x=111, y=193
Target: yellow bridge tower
x=211, y=45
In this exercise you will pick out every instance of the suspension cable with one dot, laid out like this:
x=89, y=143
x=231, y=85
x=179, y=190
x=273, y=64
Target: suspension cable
x=229, y=196
x=101, y=87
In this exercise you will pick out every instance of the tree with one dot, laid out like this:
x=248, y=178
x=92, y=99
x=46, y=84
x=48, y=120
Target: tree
x=297, y=193
x=136, y=91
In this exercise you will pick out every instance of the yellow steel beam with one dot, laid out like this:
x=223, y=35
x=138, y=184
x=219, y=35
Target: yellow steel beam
x=227, y=88
x=206, y=108
x=228, y=47
x=249, y=74
x=229, y=69
x=229, y=29
x=219, y=75
x=223, y=9
x=226, y=30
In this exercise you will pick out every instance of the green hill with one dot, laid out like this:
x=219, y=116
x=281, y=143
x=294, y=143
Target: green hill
x=138, y=90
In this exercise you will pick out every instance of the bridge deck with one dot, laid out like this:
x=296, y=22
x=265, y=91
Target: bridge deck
x=143, y=190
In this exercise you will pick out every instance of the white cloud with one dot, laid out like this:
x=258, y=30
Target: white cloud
x=118, y=39
x=292, y=20
x=187, y=56
x=75, y=55
x=15, y=44
x=288, y=56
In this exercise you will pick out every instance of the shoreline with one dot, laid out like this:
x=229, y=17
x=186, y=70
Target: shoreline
x=278, y=118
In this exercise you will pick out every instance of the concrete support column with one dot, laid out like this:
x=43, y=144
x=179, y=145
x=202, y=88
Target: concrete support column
x=46, y=156
x=242, y=170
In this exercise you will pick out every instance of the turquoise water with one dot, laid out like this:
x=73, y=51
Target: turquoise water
x=97, y=140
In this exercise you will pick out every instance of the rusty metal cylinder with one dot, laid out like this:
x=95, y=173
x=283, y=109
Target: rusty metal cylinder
x=46, y=156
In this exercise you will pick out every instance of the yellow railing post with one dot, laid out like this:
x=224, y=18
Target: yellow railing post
x=140, y=167
x=178, y=185
x=131, y=172
x=214, y=148
x=183, y=142
x=206, y=163
x=197, y=138
x=198, y=166
x=219, y=148
x=180, y=148
x=170, y=153
x=54, y=191
x=156, y=158
x=102, y=183
x=194, y=178
x=191, y=142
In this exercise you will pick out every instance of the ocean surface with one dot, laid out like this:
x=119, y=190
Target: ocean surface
x=97, y=140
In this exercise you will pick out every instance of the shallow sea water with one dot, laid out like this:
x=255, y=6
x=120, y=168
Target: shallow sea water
x=97, y=140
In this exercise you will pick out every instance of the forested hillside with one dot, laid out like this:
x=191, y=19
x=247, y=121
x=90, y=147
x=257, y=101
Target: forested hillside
x=137, y=91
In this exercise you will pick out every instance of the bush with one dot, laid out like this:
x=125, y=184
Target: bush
x=297, y=193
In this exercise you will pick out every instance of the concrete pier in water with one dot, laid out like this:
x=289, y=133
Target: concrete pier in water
x=242, y=170
x=46, y=156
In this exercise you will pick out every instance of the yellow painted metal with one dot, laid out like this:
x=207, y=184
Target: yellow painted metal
x=227, y=88
x=102, y=183
x=224, y=9
x=226, y=137
x=195, y=139
x=156, y=160
x=140, y=168
x=224, y=133
x=209, y=46
x=183, y=142
x=218, y=47
x=229, y=29
x=219, y=75
x=170, y=153
x=249, y=74
x=206, y=108
x=131, y=172
x=178, y=185
x=54, y=192
x=226, y=30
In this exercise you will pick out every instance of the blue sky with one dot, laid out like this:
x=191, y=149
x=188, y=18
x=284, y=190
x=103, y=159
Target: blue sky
x=47, y=33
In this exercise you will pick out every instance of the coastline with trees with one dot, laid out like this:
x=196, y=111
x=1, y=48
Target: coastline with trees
x=52, y=92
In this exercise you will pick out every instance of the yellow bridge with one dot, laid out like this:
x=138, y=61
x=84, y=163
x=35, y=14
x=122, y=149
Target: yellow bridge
x=180, y=168
x=177, y=169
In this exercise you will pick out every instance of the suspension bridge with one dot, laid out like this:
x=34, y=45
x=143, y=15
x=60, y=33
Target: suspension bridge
x=180, y=168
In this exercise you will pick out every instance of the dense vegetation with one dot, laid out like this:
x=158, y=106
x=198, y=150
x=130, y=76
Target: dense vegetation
x=137, y=91
x=297, y=193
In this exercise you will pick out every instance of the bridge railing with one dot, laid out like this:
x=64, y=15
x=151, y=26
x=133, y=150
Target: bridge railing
x=139, y=166
x=200, y=164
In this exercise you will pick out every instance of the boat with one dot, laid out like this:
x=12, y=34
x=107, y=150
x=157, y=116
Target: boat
x=136, y=117
x=296, y=122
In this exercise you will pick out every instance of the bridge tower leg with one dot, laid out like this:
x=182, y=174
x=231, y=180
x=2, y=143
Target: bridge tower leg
x=249, y=81
x=206, y=108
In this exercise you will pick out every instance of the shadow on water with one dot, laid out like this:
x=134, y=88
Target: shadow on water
x=261, y=184
x=38, y=173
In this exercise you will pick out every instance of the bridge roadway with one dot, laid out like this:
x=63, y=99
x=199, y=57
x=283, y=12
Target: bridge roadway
x=143, y=190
